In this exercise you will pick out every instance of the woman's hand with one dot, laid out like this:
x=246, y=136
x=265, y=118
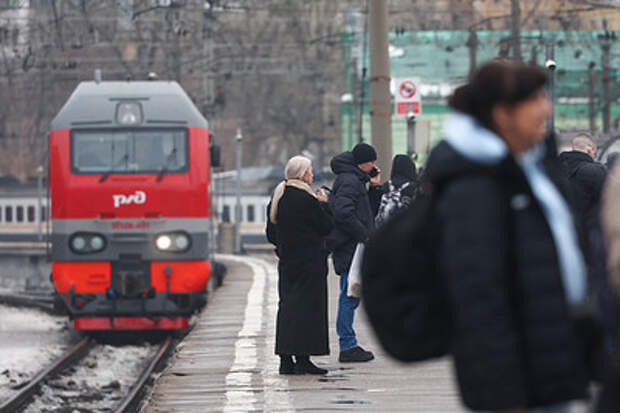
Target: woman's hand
x=321, y=195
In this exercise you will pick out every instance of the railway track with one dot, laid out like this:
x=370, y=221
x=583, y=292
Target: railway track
x=71, y=358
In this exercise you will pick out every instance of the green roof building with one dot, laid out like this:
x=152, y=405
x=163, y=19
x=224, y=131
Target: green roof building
x=441, y=59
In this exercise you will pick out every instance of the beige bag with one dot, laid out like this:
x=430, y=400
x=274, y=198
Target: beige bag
x=354, y=282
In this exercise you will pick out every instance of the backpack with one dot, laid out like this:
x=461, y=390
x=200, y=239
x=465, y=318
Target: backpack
x=402, y=290
x=391, y=202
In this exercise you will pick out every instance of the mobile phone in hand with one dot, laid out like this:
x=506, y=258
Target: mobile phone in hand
x=373, y=172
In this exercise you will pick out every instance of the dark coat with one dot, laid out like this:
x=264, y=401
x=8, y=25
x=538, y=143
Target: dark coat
x=587, y=179
x=354, y=205
x=514, y=343
x=302, y=224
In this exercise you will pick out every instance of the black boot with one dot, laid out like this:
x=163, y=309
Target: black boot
x=287, y=366
x=305, y=366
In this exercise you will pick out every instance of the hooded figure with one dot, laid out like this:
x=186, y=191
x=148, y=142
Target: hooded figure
x=354, y=203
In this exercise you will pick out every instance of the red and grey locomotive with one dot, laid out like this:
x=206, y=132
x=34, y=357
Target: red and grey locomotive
x=130, y=207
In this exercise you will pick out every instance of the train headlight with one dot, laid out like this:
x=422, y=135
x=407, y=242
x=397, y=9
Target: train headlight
x=86, y=242
x=129, y=113
x=181, y=241
x=163, y=242
x=96, y=242
x=173, y=241
x=78, y=243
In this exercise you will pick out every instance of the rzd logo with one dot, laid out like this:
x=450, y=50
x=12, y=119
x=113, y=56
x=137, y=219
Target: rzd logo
x=139, y=197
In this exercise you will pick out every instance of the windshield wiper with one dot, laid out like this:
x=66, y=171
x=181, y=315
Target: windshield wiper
x=171, y=156
x=105, y=176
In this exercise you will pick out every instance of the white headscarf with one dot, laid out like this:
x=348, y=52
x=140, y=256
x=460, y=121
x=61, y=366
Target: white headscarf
x=295, y=169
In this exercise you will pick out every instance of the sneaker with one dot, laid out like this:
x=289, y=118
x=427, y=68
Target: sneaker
x=355, y=354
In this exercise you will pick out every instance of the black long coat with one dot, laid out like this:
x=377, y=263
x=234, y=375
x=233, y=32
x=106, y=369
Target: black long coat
x=515, y=342
x=302, y=224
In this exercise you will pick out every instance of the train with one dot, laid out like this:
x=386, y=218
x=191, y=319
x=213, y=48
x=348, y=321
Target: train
x=130, y=210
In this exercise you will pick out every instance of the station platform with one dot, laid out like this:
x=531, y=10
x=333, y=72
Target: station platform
x=227, y=362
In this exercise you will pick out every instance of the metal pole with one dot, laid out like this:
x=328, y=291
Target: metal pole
x=591, y=103
x=239, y=138
x=410, y=134
x=39, y=202
x=380, y=99
x=515, y=23
x=551, y=66
x=606, y=46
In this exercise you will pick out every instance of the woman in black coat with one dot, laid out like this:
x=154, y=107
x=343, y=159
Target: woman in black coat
x=508, y=247
x=298, y=222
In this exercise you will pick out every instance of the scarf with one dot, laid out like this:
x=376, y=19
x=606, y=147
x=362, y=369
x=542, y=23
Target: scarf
x=279, y=191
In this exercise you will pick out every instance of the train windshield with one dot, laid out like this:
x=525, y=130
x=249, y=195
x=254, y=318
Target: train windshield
x=135, y=151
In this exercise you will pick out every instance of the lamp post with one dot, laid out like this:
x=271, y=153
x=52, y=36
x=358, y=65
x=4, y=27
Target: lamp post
x=239, y=139
x=551, y=65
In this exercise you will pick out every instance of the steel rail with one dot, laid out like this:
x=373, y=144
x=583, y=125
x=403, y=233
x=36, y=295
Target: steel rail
x=76, y=353
x=133, y=397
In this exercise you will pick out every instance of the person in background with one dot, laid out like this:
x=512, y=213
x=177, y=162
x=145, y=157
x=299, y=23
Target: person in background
x=400, y=190
x=357, y=182
x=298, y=221
x=587, y=177
x=612, y=157
x=507, y=247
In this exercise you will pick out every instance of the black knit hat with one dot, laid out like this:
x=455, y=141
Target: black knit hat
x=363, y=152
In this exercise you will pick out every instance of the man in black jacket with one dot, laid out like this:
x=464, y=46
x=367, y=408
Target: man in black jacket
x=354, y=203
x=587, y=178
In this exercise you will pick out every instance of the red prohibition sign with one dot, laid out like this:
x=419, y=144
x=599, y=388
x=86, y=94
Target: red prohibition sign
x=407, y=89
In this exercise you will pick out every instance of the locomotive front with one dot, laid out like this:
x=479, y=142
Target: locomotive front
x=129, y=178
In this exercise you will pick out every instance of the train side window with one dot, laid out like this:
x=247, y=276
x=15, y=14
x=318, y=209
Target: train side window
x=250, y=213
x=8, y=213
x=31, y=213
x=226, y=213
x=43, y=214
x=19, y=212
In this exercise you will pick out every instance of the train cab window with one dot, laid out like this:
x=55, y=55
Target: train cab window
x=43, y=214
x=250, y=213
x=8, y=213
x=226, y=213
x=31, y=213
x=136, y=151
x=19, y=212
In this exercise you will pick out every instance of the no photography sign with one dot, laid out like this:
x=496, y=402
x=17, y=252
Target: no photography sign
x=407, y=97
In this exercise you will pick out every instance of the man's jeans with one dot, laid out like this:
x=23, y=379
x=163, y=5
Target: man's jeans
x=346, y=312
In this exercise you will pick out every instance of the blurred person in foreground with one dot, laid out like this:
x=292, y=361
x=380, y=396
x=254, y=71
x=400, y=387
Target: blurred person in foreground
x=609, y=400
x=298, y=222
x=507, y=247
x=354, y=203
